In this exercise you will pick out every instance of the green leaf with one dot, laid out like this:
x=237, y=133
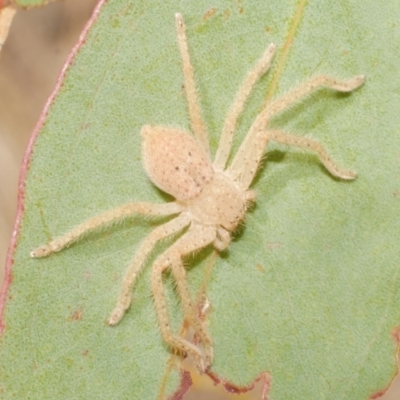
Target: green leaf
x=310, y=288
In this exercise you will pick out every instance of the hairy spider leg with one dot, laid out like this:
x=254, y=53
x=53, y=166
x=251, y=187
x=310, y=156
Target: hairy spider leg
x=159, y=233
x=229, y=128
x=105, y=218
x=198, y=125
x=196, y=238
x=278, y=105
x=255, y=154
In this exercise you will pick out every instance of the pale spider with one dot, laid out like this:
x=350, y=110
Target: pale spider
x=211, y=198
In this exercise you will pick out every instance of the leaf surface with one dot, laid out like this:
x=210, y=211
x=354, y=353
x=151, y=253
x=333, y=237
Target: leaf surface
x=309, y=289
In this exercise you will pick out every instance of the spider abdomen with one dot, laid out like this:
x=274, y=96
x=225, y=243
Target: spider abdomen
x=175, y=161
x=220, y=203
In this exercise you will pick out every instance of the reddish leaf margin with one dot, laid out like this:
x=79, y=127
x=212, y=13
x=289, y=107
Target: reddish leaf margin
x=28, y=155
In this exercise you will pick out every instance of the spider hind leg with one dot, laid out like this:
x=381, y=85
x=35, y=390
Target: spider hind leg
x=196, y=238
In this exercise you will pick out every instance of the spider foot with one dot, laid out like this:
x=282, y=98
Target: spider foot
x=201, y=362
x=203, y=340
x=203, y=357
x=119, y=311
x=42, y=251
x=208, y=356
x=354, y=83
x=348, y=175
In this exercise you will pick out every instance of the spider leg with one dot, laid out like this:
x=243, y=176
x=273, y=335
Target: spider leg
x=159, y=233
x=252, y=158
x=195, y=239
x=278, y=105
x=197, y=122
x=236, y=109
x=107, y=217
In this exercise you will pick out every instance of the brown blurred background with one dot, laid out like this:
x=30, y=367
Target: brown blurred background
x=38, y=44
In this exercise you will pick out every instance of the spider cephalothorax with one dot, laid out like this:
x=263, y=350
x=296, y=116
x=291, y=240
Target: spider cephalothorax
x=179, y=165
x=211, y=197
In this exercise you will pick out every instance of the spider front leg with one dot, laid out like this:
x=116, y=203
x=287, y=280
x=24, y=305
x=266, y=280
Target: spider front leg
x=276, y=106
x=228, y=130
x=107, y=217
x=198, y=125
x=252, y=157
x=195, y=239
x=159, y=233
x=307, y=87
